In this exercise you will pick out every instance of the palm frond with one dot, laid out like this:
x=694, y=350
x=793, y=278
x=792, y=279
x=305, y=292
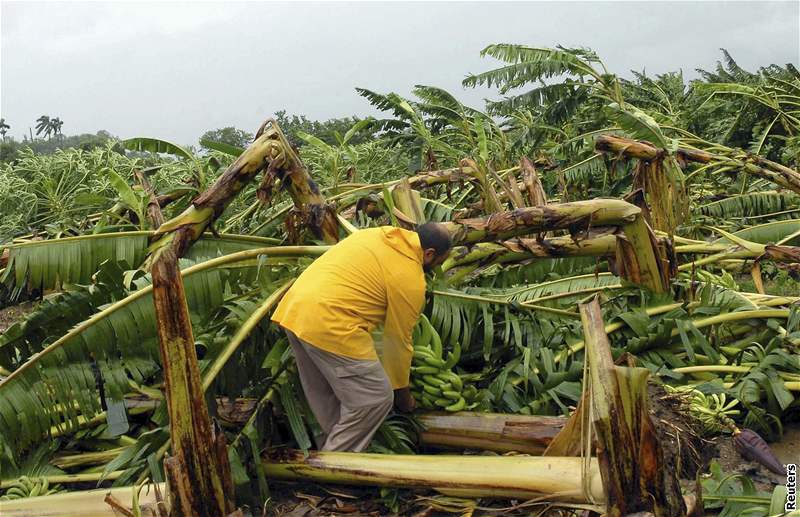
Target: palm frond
x=638, y=124
x=388, y=102
x=57, y=313
x=57, y=387
x=751, y=204
x=773, y=232
x=584, y=171
x=530, y=64
x=436, y=211
x=48, y=264
x=562, y=286
x=548, y=96
x=230, y=150
x=155, y=145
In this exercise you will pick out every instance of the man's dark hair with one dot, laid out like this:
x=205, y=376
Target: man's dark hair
x=434, y=235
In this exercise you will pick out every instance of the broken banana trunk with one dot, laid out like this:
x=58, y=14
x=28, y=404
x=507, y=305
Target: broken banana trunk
x=515, y=250
x=725, y=157
x=523, y=477
x=576, y=217
x=489, y=431
x=198, y=471
x=271, y=153
x=640, y=257
x=630, y=457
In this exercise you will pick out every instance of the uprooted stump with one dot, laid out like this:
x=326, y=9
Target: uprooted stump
x=613, y=417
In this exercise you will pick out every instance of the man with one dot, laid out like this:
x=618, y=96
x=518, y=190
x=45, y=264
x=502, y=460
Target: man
x=373, y=277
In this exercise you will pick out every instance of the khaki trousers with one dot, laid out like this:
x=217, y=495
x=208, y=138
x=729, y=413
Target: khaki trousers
x=349, y=397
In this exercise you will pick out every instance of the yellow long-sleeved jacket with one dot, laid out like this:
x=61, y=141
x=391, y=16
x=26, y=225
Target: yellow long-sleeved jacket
x=373, y=277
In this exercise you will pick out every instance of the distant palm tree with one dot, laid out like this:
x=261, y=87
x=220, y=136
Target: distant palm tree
x=4, y=128
x=43, y=126
x=55, y=125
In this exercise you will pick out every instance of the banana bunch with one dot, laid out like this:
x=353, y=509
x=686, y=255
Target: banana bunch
x=433, y=383
x=713, y=411
x=724, y=279
x=27, y=487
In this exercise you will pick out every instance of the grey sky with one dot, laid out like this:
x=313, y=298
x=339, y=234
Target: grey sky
x=174, y=70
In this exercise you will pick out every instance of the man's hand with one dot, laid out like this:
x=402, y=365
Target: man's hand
x=403, y=400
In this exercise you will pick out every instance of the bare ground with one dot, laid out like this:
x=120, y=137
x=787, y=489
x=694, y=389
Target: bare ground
x=11, y=315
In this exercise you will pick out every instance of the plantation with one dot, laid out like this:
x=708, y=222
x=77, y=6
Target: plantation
x=650, y=222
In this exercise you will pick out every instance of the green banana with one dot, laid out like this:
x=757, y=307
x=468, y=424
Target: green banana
x=432, y=390
x=428, y=401
x=425, y=370
x=17, y=484
x=16, y=493
x=453, y=357
x=434, y=380
x=458, y=406
x=426, y=333
x=448, y=376
x=470, y=391
x=452, y=395
x=436, y=342
x=436, y=363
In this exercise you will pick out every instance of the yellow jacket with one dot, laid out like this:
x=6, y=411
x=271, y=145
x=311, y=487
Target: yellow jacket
x=373, y=277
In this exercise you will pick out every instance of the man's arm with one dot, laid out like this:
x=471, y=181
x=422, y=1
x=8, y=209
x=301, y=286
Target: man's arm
x=404, y=303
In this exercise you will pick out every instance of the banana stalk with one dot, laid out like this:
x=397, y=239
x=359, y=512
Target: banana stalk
x=524, y=477
x=198, y=477
x=85, y=503
x=638, y=254
x=407, y=204
x=557, y=216
x=489, y=431
x=640, y=259
x=86, y=458
x=598, y=244
x=272, y=153
x=629, y=453
x=724, y=157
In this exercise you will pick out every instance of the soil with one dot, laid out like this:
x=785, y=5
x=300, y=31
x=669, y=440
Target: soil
x=696, y=453
x=788, y=448
x=680, y=436
x=11, y=315
x=732, y=463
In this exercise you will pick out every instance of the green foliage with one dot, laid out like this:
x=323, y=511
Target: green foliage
x=227, y=135
x=730, y=495
x=324, y=130
x=11, y=149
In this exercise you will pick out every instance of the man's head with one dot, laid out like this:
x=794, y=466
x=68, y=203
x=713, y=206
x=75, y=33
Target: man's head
x=436, y=243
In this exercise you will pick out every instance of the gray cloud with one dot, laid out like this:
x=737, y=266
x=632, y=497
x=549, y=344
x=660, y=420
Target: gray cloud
x=174, y=70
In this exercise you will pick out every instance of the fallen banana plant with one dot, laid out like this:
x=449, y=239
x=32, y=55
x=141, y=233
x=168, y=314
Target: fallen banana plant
x=525, y=477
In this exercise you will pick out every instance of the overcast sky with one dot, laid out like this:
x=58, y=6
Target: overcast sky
x=175, y=70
